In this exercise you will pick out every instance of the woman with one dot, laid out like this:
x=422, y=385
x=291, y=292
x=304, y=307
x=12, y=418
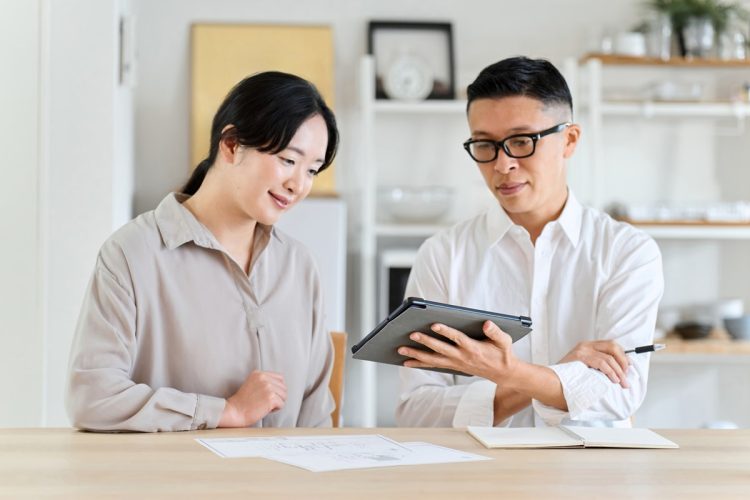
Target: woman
x=201, y=314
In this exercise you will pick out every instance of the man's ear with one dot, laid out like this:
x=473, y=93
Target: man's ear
x=572, y=136
x=228, y=145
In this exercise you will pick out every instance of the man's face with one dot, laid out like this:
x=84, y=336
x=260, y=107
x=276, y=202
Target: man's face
x=533, y=187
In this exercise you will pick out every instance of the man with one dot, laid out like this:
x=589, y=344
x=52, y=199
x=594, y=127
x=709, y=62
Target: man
x=590, y=284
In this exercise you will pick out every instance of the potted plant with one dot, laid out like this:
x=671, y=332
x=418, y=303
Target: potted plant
x=698, y=22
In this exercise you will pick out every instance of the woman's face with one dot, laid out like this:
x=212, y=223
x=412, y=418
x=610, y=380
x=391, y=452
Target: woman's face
x=264, y=185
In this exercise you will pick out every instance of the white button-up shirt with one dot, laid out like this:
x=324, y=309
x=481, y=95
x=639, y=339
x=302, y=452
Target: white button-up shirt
x=587, y=278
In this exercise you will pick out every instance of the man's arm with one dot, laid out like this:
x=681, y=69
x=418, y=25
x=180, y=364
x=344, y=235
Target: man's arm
x=603, y=355
x=491, y=359
x=518, y=382
x=584, y=385
x=626, y=309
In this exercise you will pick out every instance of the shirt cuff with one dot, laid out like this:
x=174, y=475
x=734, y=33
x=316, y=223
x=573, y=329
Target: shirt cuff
x=208, y=410
x=581, y=390
x=476, y=406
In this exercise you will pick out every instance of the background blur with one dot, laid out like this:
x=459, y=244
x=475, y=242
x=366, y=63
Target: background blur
x=95, y=129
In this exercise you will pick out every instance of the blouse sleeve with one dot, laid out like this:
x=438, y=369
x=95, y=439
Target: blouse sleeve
x=101, y=394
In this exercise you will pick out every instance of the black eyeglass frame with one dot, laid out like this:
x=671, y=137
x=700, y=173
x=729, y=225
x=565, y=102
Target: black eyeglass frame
x=501, y=144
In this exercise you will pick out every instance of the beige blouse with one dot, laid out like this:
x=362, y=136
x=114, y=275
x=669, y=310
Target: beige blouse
x=171, y=326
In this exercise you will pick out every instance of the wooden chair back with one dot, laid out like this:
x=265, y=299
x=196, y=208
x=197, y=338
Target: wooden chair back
x=337, y=375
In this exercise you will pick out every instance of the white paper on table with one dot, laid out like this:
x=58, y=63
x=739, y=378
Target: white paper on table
x=411, y=454
x=351, y=445
x=330, y=453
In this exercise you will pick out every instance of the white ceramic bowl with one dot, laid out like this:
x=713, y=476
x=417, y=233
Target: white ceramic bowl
x=416, y=204
x=738, y=328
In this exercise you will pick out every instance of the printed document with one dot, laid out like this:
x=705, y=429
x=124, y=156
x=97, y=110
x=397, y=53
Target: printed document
x=329, y=453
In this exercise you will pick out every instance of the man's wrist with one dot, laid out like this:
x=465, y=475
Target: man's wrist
x=511, y=377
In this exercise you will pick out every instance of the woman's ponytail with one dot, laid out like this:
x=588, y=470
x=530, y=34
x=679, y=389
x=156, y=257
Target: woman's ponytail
x=196, y=178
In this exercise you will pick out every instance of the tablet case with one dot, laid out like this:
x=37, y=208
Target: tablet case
x=416, y=315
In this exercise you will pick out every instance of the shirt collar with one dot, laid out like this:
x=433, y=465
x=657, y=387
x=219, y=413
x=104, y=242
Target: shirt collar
x=177, y=225
x=571, y=218
x=499, y=223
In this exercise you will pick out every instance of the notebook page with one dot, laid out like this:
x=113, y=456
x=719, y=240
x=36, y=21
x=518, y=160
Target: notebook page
x=608, y=437
x=524, y=437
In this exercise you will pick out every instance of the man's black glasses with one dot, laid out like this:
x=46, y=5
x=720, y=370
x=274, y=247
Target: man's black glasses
x=515, y=146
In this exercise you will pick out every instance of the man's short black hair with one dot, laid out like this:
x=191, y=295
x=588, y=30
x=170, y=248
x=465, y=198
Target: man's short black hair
x=522, y=76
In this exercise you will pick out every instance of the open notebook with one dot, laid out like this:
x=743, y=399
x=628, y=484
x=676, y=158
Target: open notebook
x=568, y=437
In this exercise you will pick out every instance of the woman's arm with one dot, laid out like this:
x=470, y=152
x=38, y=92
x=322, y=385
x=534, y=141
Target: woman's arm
x=100, y=392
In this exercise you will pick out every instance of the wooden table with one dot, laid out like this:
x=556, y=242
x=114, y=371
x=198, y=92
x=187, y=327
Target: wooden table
x=36, y=463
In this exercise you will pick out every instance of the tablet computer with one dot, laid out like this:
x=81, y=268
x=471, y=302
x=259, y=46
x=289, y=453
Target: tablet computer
x=416, y=315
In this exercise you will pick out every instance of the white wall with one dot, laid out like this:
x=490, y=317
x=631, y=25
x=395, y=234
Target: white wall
x=88, y=142
x=69, y=143
x=20, y=335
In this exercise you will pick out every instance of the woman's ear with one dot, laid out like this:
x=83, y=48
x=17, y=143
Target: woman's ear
x=228, y=145
x=572, y=136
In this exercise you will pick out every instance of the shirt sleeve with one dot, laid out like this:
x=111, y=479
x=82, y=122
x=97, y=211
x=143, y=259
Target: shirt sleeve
x=100, y=393
x=626, y=313
x=433, y=399
x=317, y=403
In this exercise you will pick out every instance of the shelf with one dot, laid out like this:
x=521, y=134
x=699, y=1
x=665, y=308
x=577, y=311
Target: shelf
x=697, y=231
x=703, y=351
x=697, y=358
x=414, y=230
x=424, y=107
x=709, y=346
x=676, y=109
x=658, y=231
x=615, y=60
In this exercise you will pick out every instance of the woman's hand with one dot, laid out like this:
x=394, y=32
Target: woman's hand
x=260, y=394
x=604, y=355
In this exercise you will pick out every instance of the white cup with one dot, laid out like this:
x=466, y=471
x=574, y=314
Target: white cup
x=729, y=308
x=630, y=44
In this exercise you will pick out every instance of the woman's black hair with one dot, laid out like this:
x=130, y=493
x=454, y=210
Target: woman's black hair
x=264, y=111
x=521, y=76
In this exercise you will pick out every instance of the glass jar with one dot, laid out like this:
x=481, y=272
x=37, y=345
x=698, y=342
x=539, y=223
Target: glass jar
x=660, y=37
x=698, y=35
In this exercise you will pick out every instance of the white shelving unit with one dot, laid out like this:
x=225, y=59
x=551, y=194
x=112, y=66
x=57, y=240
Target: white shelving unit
x=597, y=110
x=422, y=107
x=705, y=232
x=654, y=109
x=372, y=230
x=408, y=230
x=676, y=379
x=713, y=117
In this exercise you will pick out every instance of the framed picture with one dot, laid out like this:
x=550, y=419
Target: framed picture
x=413, y=60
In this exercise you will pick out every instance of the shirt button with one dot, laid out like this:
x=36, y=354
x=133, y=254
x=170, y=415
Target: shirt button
x=202, y=427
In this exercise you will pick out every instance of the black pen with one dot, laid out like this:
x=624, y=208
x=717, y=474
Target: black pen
x=646, y=348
